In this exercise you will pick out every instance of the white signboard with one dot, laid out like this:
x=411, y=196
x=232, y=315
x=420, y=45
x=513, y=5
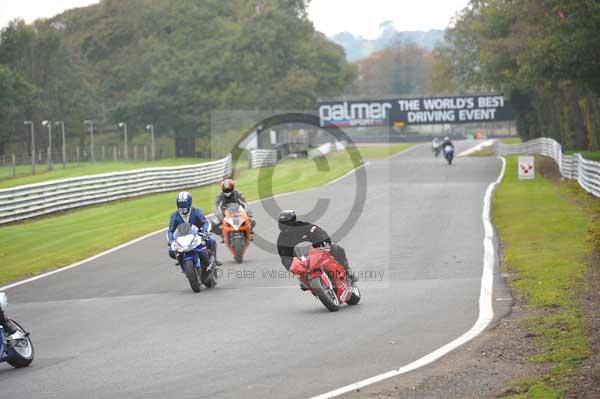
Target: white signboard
x=526, y=168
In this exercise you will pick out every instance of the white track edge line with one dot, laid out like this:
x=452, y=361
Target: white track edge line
x=478, y=147
x=486, y=311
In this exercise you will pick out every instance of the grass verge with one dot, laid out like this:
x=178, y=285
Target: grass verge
x=382, y=151
x=65, y=238
x=24, y=175
x=545, y=228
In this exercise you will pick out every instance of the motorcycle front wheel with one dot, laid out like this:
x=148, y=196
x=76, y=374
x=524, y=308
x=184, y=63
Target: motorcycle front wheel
x=192, y=275
x=238, y=249
x=326, y=295
x=21, y=353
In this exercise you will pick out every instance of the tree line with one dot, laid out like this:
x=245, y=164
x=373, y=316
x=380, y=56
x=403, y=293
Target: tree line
x=544, y=55
x=165, y=62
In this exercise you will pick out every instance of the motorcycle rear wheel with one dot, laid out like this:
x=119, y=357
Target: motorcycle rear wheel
x=355, y=298
x=325, y=295
x=23, y=355
x=192, y=275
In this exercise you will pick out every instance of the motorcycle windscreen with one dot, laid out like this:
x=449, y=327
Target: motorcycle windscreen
x=301, y=250
x=234, y=209
x=184, y=229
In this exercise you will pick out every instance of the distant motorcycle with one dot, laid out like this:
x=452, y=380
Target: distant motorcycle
x=449, y=153
x=236, y=230
x=321, y=274
x=435, y=147
x=194, y=257
x=17, y=349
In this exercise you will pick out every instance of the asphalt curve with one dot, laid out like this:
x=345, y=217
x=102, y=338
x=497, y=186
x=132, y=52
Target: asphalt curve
x=128, y=325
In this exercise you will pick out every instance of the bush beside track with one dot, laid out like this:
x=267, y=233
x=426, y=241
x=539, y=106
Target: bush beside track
x=36, y=246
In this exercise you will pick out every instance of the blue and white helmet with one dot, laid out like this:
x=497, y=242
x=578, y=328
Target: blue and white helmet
x=184, y=203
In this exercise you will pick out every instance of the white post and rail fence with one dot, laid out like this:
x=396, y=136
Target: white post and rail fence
x=585, y=171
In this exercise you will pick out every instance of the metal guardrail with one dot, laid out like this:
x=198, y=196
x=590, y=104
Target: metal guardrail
x=586, y=172
x=262, y=158
x=33, y=200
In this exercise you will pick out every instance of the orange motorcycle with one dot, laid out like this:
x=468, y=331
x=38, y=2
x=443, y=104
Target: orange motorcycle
x=237, y=230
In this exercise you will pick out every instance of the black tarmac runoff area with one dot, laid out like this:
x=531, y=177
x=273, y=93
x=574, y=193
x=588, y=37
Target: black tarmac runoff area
x=127, y=324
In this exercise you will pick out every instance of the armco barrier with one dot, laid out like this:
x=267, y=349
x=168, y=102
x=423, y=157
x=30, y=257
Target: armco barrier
x=262, y=158
x=586, y=172
x=32, y=200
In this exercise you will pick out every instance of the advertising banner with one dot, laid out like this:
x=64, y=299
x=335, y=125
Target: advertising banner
x=415, y=111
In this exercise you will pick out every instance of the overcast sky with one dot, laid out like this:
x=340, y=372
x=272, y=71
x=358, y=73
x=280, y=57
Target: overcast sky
x=360, y=17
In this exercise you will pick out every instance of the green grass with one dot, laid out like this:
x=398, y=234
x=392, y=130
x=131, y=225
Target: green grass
x=546, y=246
x=24, y=175
x=62, y=239
x=381, y=151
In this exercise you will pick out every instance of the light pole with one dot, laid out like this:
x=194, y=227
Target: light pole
x=30, y=123
x=124, y=126
x=48, y=124
x=64, y=148
x=150, y=128
x=91, y=124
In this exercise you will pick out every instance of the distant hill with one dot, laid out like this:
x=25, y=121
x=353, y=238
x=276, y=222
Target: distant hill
x=357, y=47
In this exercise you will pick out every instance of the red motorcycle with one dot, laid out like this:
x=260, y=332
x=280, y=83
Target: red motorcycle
x=321, y=274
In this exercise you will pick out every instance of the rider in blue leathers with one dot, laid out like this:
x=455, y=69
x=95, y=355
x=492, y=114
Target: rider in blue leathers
x=186, y=214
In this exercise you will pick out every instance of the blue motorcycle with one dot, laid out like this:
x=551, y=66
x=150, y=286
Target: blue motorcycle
x=449, y=153
x=16, y=349
x=194, y=256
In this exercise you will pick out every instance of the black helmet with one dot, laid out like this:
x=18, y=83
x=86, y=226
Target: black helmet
x=286, y=219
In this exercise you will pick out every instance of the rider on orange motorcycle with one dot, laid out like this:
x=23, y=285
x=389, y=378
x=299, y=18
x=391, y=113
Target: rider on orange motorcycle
x=227, y=196
x=293, y=232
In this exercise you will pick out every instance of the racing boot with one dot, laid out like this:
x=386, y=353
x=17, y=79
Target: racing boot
x=9, y=327
x=303, y=287
x=351, y=276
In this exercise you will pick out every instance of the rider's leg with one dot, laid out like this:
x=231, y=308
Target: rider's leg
x=8, y=327
x=339, y=254
x=172, y=255
x=212, y=245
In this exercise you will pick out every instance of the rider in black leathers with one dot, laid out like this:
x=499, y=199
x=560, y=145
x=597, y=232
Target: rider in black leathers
x=293, y=232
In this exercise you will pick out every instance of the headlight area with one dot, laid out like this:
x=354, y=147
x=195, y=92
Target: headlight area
x=177, y=247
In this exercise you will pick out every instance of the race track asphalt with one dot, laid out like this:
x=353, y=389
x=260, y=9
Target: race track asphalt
x=127, y=325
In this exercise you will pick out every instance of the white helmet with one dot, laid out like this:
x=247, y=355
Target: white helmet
x=446, y=138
